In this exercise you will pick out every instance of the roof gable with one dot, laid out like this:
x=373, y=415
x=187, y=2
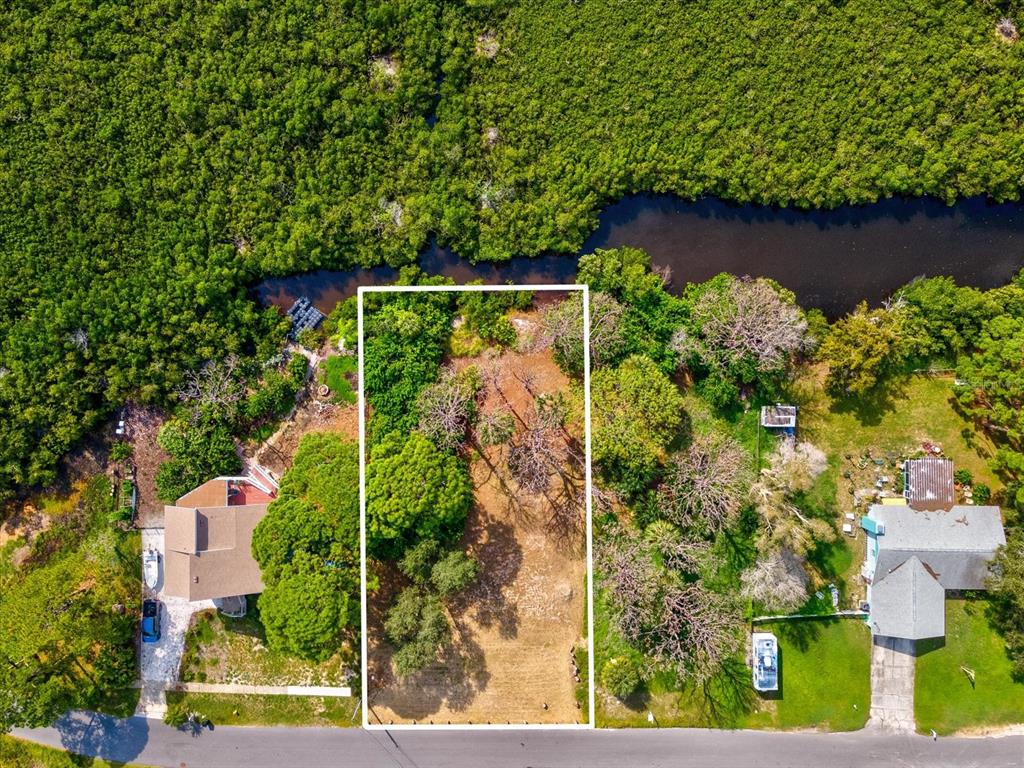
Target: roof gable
x=909, y=603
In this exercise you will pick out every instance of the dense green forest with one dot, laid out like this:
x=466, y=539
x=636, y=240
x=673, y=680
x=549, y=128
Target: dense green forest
x=157, y=157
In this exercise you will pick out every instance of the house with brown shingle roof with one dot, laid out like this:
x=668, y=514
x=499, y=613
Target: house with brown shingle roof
x=208, y=539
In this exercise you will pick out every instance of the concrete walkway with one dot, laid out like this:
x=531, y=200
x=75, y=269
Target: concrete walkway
x=340, y=692
x=892, y=685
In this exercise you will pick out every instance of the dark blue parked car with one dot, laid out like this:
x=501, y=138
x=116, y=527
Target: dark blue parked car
x=150, y=621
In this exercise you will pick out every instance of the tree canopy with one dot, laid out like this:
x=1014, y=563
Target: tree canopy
x=414, y=491
x=205, y=145
x=307, y=547
x=637, y=412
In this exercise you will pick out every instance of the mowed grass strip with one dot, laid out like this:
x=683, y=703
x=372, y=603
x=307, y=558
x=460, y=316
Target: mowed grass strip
x=944, y=698
x=15, y=753
x=231, y=709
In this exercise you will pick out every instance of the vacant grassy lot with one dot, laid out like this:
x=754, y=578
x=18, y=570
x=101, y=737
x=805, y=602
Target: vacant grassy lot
x=824, y=684
x=907, y=412
x=219, y=649
x=229, y=709
x=15, y=753
x=944, y=698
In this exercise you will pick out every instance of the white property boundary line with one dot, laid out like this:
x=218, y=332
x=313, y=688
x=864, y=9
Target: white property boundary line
x=364, y=665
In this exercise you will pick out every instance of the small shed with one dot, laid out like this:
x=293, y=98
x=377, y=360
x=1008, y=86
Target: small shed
x=928, y=484
x=780, y=417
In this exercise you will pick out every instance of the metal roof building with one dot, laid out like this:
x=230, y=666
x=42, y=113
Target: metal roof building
x=928, y=483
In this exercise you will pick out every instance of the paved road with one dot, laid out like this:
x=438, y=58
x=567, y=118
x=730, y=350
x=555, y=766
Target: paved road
x=152, y=743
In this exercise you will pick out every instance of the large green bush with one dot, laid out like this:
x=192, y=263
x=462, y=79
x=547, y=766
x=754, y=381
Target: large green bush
x=636, y=413
x=414, y=491
x=307, y=547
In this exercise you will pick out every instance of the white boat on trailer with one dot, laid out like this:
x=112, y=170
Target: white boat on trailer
x=151, y=568
x=765, y=661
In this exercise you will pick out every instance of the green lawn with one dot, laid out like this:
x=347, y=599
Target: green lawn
x=229, y=709
x=944, y=698
x=824, y=684
x=15, y=753
x=219, y=649
x=336, y=370
x=906, y=412
x=825, y=676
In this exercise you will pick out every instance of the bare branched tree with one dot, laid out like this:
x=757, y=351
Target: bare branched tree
x=446, y=406
x=216, y=385
x=80, y=339
x=777, y=580
x=563, y=330
x=526, y=377
x=606, y=334
x=747, y=319
x=1007, y=29
x=631, y=584
x=792, y=469
x=706, y=484
x=698, y=631
x=604, y=499
x=679, y=625
x=796, y=466
x=534, y=457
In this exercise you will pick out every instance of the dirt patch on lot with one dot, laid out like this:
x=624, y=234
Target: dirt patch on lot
x=142, y=423
x=24, y=522
x=311, y=415
x=516, y=627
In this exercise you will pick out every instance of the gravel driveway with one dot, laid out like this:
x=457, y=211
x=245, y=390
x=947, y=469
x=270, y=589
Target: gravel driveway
x=160, y=662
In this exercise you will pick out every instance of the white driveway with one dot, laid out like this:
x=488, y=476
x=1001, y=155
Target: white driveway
x=160, y=662
x=892, y=684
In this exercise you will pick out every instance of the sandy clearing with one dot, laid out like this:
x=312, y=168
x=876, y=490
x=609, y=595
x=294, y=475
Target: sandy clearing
x=517, y=626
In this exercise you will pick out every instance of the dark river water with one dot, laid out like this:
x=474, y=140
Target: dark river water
x=830, y=259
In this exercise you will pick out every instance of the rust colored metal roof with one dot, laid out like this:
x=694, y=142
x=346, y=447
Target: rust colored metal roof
x=929, y=484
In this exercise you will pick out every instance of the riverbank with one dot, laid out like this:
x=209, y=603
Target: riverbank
x=831, y=259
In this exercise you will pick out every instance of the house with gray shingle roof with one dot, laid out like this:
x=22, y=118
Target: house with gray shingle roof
x=915, y=555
